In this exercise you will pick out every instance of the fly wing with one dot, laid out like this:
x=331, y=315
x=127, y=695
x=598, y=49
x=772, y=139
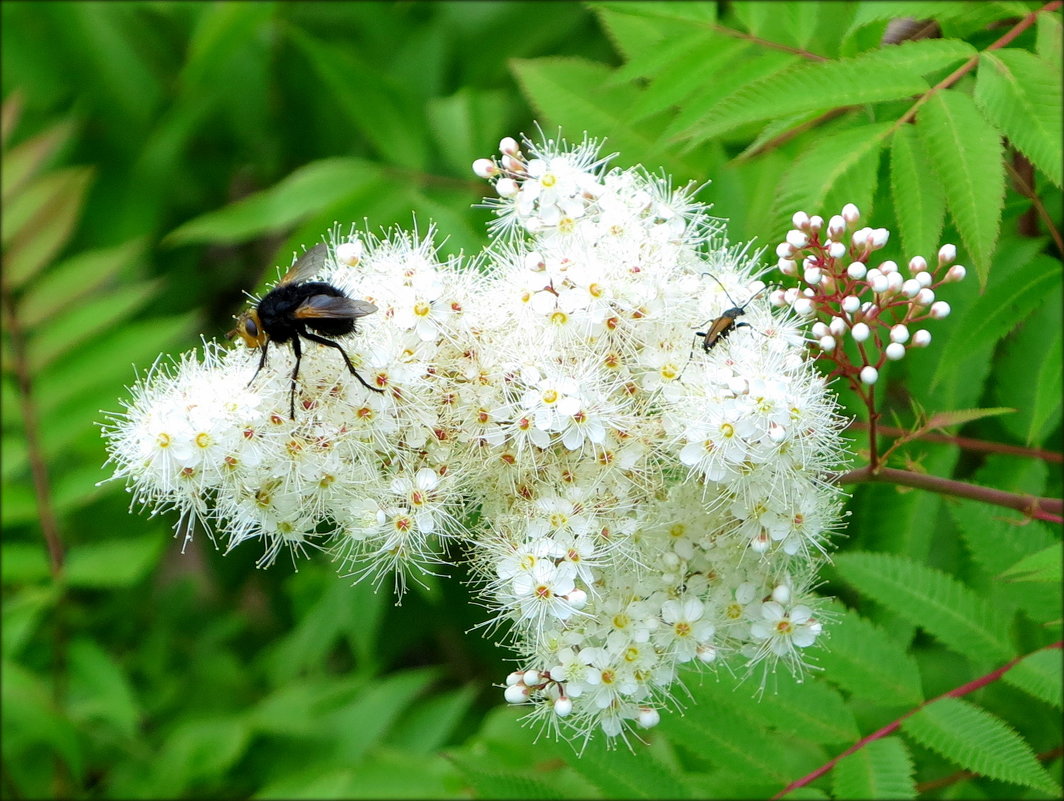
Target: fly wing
x=330, y=307
x=307, y=265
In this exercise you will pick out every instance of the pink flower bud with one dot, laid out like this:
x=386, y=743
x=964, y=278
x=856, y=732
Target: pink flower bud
x=899, y=333
x=516, y=694
x=925, y=297
x=836, y=250
x=820, y=329
x=788, y=266
x=514, y=678
x=784, y=250
x=800, y=220
x=812, y=276
x=888, y=267
x=869, y=374
x=895, y=351
x=894, y=282
x=778, y=298
x=860, y=332
x=797, y=239
x=507, y=187
x=827, y=343
x=925, y=279
x=850, y=304
x=648, y=717
x=485, y=168
x=511, y=164
x=508, y=146
x=781, y=594
x=838, y=327
x=917, y=264
x=850, y=214
x=939, y=310
x=563, y=706
x=349, y=253
x=955, y=273
x=531, y=678
x=910, y=288
x=922, y=338
x=857, y=271
x=816, y=222
x=947, y=254
x=803, y=307
x=880, y=237
x=836, y=227
x=879, y=283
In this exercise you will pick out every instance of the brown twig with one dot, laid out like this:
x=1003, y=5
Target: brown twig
x=967, y=443
x=893, y=726
x=1048, y=509
x=1025, y=188
x=962, y=775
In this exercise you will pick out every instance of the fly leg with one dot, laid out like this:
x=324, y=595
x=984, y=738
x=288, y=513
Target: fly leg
x=298, y=348
x=262, y=362
x=347, y=361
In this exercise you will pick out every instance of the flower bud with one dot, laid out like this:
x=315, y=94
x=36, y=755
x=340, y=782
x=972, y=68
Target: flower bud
x=791, y=295
x=820, y=329
x=947, y=254
x=812, y=275
x=955, y=273
x=508, y=146
x=485, y=168
x=922, y=338
x=939, y=310
x=781, y=594
x=531, y=678
x=917, y=264
x=836, y=227
x=862, y=237
x=778, y=298
x=888, y=267
x=895, y=351
x=514, y=678
x=911, y=287
x=869, y=374
x=857, y=271
x=800, y=220
x=838, y=327
x=648, y=717
x=925, y=297
x=816, y=222
x=879, y=283
x=577, y=599
x=837, y=250
x=563, y=706
x=784, y=250
x=349, y=253
x=797, y=239
x=850, y=213
x=925, y=279
x=827, y=343
x=894, y=282
x=850, y=304
x=507, y=187
x=534, y=261
x=788, y=267
x=803, y=307
x=860, y=332
x=706, y=653
x=899, y=333
x=879, y=238
x=510, y=164
x=516, y=694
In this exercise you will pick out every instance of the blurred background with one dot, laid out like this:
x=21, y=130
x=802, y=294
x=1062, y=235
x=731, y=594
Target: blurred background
x=160, y=159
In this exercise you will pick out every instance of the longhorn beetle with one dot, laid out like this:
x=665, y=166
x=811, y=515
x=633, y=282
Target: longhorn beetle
x=720, y=327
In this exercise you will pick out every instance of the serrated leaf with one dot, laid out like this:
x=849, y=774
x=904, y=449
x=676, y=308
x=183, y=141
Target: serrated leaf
x=919, y=199
x=810, y=710
x=961, y=416
x=622, y=773
x=1043, y=566
x=1039, y=675
x=805, y=87
x=882, y=769
x=1020, y=93
x=978, y=741
x=112, y=563
x=686, y=13
x=100, y=690
x=489, y=783
x=998, y=310
x=862, y=659
x=945, y=608
x=430, y=724
x=968, y=158
x=304, y=192
x=837, y=169
x=1048, y=38
x=1046, y=381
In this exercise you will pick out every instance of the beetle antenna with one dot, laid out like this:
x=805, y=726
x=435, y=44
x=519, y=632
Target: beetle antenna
x=730, y=299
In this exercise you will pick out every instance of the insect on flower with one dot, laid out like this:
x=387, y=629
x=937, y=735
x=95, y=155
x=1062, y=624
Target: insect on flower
x=720, y=327
x=298, y=309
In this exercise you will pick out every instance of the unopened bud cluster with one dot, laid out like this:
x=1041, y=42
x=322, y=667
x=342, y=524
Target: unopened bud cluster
x=877, y=307
x=631, y=500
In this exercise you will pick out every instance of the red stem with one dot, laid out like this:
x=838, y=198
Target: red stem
x=957, y=692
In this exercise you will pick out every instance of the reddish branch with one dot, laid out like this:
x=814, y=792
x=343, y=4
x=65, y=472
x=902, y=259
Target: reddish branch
x=890, y=728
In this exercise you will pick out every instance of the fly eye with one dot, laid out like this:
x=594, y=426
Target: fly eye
x=251, y=328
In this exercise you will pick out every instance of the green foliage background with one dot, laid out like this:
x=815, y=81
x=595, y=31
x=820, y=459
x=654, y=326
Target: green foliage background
x=160, y=158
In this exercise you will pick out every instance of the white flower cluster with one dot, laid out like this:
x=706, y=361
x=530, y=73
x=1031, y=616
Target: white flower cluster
x=875, y=305
x=643, y=497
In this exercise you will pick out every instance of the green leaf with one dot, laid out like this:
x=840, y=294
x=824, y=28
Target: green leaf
x=23, y=562
x=978, y=741
x=100, y=690
x=211, y=46
x=39, y=220
x=22, y=615
x=919, y=199
x=967, y=156
x=31, y=717
x=75, y=278
x=1039, y=675
x=839, y=168
x=862, y=659
x=882, y=769
x=810, y=710
x=113, y=563
x=623, y=773
x=962, y=416
x=805, y=87
x=1021, y=95
x=1049, y=40
x=429, y=725
x=938, y=603
x=306, y=191
x=682, y=12
x=1042, y=566
x=487, y=782
x=199, y=750
x=25, y=160
x=462, y=125
x=998, y=310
